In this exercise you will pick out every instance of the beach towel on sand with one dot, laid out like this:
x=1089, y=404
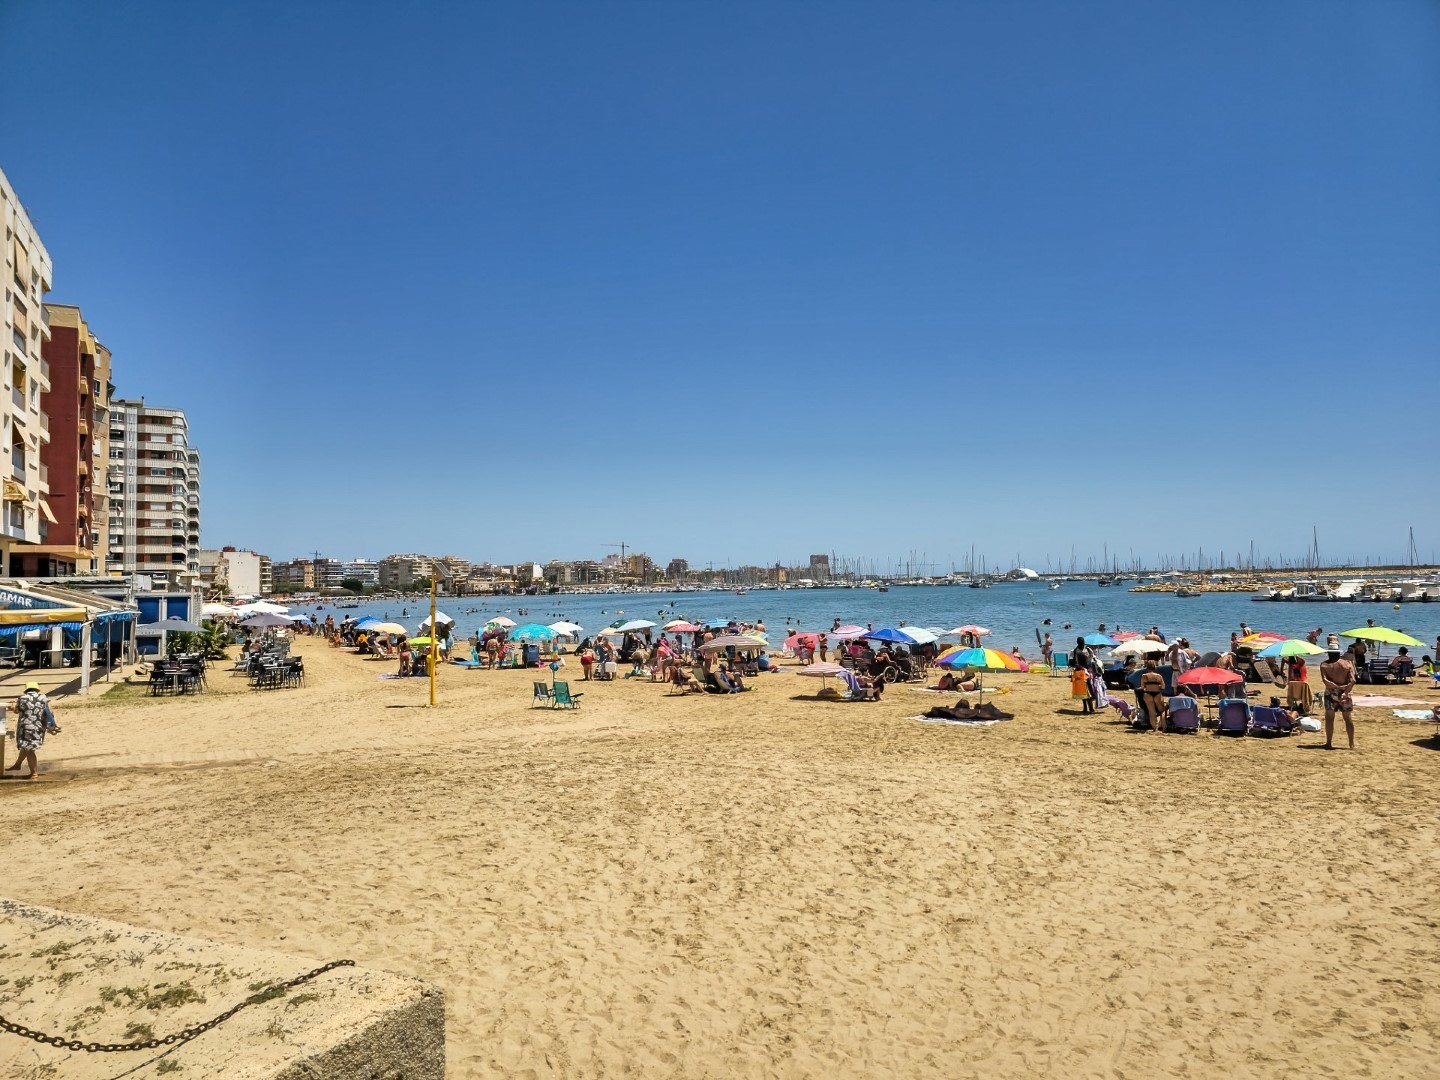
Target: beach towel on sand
x=1414, y=714
x=954, y=723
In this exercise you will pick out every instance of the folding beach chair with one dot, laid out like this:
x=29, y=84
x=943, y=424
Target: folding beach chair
x=1059, y=663
x=561, y=698
x=542, y=694
x=1184, y=715
x=1234, y=717
x=1270, y=720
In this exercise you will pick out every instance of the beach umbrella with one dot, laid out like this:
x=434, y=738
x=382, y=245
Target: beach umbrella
x=822, y=671
x=1125, y=635
x=1209, y=676
x=889, y=633
x=735, y=641
x=635, y=624
x=1102, y=641
x=807, y=639
x=971, y=629
x=1139, y=647
x=980, y=660
x=680, y=626
x=1384, y=635
x=441, y=619
x=176, y=626
x=850, y=631
x=566, y=629
x=217, y=611
x=385, y=628
x=1260, y=639
x=262, y=607
x=265, y=621
x=1291, y=647
x=532, y=632
x=423, y=641
x=501, y=620
x=365, y=622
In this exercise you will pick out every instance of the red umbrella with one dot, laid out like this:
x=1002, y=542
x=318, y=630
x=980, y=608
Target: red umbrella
x=1125, y=635
x=808, y=639
x=1209, y=676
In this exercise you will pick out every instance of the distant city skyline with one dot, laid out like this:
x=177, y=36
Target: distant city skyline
x=743, y=282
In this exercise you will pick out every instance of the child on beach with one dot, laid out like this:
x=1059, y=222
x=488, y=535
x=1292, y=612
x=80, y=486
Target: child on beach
x=1080, y=689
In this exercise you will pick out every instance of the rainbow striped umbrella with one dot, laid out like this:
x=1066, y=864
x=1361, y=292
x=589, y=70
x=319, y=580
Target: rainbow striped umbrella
x=980, y=659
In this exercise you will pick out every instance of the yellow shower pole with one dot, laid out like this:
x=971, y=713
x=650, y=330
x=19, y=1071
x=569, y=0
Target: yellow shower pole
x=434, y=640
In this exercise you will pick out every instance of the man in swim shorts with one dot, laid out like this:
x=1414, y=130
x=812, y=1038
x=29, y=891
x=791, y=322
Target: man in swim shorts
x=1338, y=675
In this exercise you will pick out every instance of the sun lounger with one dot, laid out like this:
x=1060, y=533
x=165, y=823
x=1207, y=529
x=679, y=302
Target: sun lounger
x=1234, y=717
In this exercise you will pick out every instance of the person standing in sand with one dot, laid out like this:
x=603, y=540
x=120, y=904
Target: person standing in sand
x=1338, y=675
x=1152, y=687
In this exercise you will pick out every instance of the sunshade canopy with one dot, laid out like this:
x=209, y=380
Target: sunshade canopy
x=532, y=632
x=981, y=659
x=1209, y=676
x=635, y=624
x=1384, y=635
x=736, y=641
x=1292, y=647
x=1099, y=640
x=1139, y=647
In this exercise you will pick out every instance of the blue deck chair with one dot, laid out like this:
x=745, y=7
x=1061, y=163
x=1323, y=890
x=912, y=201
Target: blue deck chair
x=1234, y=717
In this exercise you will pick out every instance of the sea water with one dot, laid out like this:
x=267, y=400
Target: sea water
x=1015, y=611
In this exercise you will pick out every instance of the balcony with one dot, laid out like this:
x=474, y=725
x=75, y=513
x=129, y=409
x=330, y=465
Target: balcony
x=45, y=477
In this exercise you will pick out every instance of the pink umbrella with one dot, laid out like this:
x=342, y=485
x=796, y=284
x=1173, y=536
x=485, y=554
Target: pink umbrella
x=683, y=628
x=808, y=639
x=972, y=629
x=847, y=631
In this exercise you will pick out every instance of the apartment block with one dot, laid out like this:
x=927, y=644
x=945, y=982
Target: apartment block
x=24, y=330
x=77, y=407
x=153, y=480
x=400, y=572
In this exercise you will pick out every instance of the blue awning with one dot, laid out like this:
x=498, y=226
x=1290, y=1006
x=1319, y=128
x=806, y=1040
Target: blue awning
x=113, y=616
x=73, y=627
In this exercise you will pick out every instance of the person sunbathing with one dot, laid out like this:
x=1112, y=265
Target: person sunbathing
x=963, y=710
x=959, y=683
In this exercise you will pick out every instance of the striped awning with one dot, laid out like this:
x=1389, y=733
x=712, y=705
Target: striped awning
x=21, y=628
x=33, y=617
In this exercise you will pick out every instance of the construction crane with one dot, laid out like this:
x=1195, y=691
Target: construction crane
x=621, y=545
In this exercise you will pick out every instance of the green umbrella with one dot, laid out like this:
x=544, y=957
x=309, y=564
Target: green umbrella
x=1384, y=635
x=420, y=641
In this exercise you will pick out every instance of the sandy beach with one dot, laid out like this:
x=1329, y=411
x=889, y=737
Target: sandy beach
x=765, y=884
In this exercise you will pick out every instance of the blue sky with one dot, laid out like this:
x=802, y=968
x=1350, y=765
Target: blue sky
x=738, y=282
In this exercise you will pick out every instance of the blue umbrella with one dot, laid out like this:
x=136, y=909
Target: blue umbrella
x=364, y=621
x=532, y=632
x=889, y=633
x=1100, y=639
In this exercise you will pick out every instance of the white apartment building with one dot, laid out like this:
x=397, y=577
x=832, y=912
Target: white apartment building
x=23, y=426
x=154, y=486
x=365, y=571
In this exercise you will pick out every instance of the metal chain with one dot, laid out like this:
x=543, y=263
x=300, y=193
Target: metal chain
x=169, y=1040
